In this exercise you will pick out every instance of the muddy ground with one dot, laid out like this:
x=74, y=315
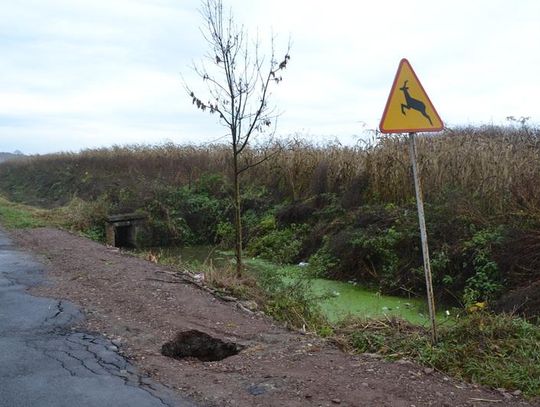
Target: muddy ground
x=142, y=305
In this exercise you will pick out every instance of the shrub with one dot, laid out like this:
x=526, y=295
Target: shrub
x=278, y=245
x=321, y=262
x=486, y=282
x=184, y=216
x=225, y=234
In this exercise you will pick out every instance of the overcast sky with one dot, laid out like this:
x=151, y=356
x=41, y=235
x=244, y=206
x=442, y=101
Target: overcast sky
x=76, y=74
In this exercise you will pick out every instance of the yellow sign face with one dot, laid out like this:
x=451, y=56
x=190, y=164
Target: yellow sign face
x=408, y=108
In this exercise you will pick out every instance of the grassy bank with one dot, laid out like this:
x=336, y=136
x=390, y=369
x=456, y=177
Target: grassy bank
x=18, y=216
x=500, y=351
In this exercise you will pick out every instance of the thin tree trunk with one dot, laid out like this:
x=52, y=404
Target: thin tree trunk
x=237, y=217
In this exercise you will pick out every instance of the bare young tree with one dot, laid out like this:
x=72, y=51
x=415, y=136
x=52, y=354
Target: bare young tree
x=238, y=80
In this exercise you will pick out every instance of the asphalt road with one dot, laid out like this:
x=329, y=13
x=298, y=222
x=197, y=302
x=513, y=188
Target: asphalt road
x=44, y=361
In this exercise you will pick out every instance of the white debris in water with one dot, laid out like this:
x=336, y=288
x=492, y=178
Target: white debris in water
x=303, y=264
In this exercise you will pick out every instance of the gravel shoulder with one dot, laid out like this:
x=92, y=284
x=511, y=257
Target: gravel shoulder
x=141, y=305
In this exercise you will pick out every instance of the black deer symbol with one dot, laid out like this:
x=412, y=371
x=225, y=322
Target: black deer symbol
x=413, y=103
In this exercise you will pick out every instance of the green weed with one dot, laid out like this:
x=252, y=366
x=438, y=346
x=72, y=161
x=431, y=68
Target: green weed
x=280, y=246
x=16, y=216
x=500, y=351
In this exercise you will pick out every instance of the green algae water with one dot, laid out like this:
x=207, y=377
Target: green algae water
x=338, y=300
x=347, y=299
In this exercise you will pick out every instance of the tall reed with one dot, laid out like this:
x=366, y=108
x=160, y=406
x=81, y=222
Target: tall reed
x=497, y=167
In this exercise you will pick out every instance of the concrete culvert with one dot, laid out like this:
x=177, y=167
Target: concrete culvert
x=199, y=345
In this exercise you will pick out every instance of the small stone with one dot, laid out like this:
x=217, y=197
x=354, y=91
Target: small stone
x=365, y=384
x=336, y=401
x=428, y=370
x=256, y=390
x=112, y=348
x=250, y=305
x=517, y=393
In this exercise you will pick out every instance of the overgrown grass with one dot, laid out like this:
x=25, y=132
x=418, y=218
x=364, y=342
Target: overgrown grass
x=78, y=216
x=18, y=216
x=500, y=351
x=349, y=208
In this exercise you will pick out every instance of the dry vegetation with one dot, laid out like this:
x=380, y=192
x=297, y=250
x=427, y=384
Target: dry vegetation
x=494, y=165
x=479, y=185
x=498, y=165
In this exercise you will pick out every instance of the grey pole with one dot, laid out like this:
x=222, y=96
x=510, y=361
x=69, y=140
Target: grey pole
x=423, y=236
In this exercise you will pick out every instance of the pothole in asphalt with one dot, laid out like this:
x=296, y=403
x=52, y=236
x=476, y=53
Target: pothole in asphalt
x=199, y=345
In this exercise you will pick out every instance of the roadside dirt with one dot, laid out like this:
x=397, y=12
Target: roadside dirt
x=142, y=305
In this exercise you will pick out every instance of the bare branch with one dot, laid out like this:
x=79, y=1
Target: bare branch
x=238, y=80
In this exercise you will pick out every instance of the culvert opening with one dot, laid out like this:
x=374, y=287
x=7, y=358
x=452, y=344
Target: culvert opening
x=123, y=236
x=199, y=345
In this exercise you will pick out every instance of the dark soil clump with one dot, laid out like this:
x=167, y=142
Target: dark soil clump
x=199, y=345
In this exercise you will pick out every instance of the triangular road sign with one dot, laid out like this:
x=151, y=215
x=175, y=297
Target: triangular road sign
x=408, y=108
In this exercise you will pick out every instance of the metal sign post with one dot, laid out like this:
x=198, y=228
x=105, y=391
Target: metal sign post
x=409, y=110
x=423, y=236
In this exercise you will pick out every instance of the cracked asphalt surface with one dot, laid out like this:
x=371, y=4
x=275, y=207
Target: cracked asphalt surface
x=45, y=361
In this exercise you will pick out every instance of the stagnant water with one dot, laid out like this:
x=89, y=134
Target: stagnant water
x=338, y=299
